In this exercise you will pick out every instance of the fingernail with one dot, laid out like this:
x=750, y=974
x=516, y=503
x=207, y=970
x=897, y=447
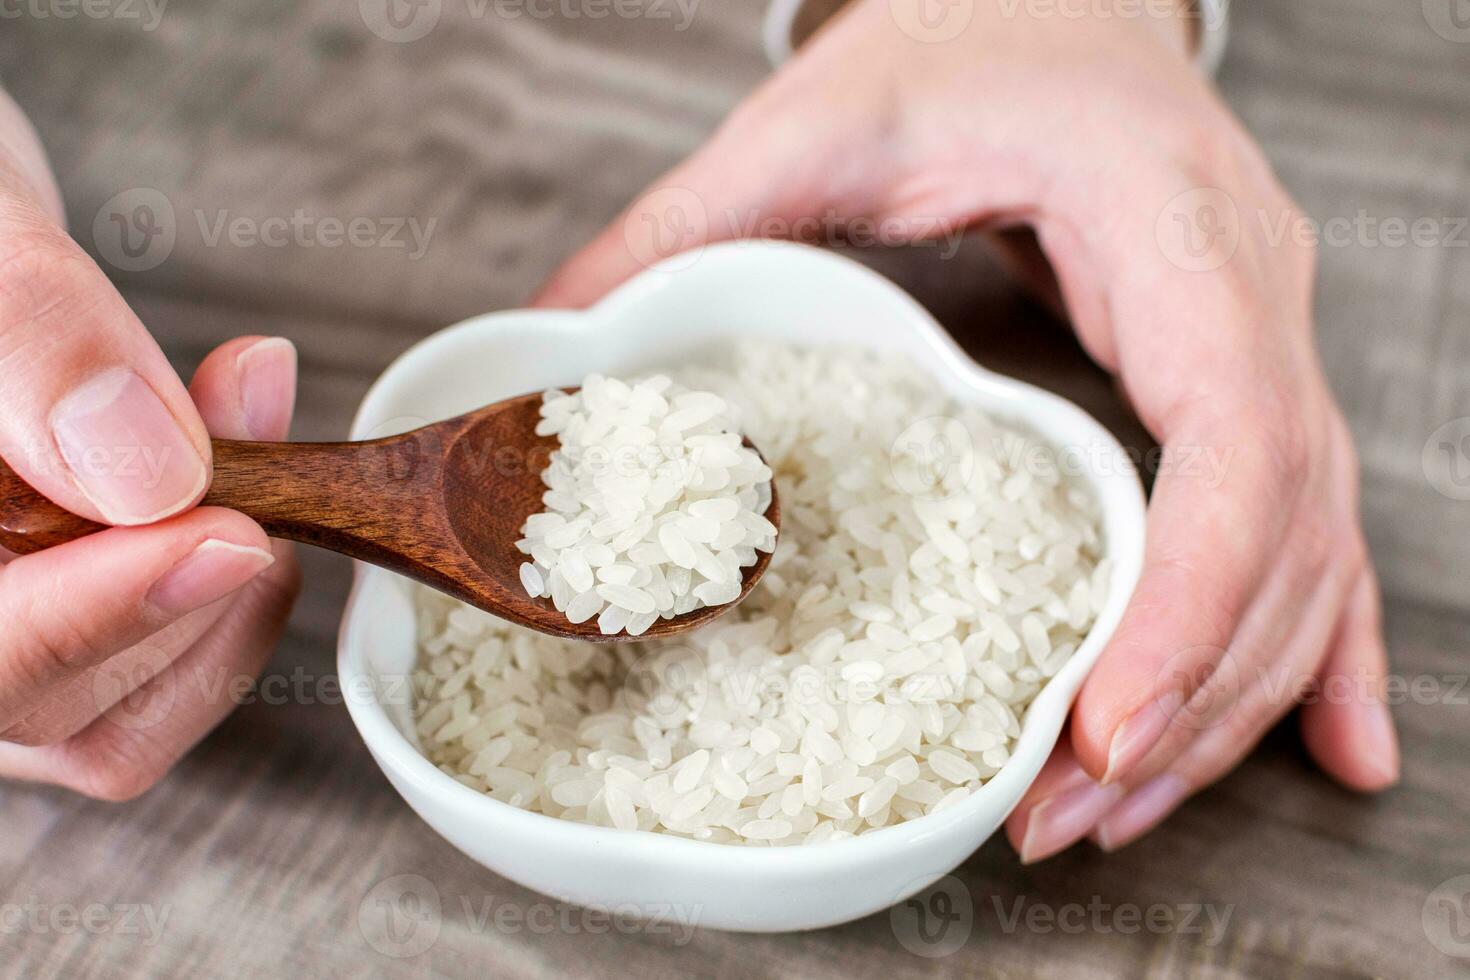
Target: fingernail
x=1060, y=821
x=1381, y=742
x=268, y=387
x=127, y=453
x=1140, y=811
x=1139, y=733
x=210, y=572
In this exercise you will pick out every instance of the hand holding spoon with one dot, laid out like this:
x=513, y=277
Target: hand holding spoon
x=443, y=505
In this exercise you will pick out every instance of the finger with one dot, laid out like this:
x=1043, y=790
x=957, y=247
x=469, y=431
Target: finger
x=243, y=389
x=1058, y=812
x=1059, y=808
x=246, y=389
x=1202, y=742
x=21, y=151
x=1206, y=759
x=137, y=741
x=1210, y=536
x=1343, y=720
x=1348, y=728
x=71, y=607
x=91, y=413
x=72, y=704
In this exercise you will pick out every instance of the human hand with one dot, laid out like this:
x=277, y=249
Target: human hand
x=1099, y=135
x=108, y=637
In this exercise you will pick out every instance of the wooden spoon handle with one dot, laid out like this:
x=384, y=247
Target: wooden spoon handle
x=29, y=522
x=350, y=497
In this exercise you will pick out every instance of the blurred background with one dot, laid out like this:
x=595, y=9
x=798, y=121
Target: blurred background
x=475, y=145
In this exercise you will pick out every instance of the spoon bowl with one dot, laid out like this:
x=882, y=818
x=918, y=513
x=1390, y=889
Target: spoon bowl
x=494, y=449
x=443, y=505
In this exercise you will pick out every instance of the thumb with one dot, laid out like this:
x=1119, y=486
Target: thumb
x=91, y=413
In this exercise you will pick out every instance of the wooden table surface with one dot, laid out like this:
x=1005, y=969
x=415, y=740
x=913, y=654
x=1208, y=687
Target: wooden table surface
x=270, y=849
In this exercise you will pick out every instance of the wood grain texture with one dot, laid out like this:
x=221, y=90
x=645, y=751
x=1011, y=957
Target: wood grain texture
x=519, y=137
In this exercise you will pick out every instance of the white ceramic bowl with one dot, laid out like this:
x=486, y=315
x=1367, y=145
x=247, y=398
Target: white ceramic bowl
x=690, y=308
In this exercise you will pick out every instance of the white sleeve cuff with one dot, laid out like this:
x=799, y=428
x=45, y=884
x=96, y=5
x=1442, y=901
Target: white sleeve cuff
x=1214, y=22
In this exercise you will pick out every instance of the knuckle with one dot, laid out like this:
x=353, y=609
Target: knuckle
x=112, y=769
x=1318, y=539
x=31, y=734
x=47, y=645
x=44, y=279
x=1290, y=440
x=1277, y=423
x=1206, y=146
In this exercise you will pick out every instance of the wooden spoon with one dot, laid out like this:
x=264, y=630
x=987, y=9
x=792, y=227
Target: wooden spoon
x=443, y=505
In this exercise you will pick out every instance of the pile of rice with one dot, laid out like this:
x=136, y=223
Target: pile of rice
x=921, y=594
x=654, y=504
